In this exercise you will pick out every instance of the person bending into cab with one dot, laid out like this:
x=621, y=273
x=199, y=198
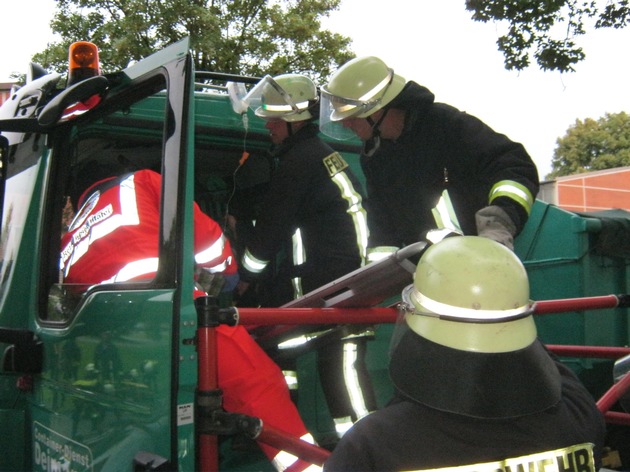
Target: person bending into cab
x=475, y=390
x=114, y=238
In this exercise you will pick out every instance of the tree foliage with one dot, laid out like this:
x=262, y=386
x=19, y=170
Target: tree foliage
x=591, y=145
x=547, y=30
x=251, y=37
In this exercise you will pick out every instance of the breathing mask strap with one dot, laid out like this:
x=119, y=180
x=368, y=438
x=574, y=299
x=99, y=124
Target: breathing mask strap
x=372, y=144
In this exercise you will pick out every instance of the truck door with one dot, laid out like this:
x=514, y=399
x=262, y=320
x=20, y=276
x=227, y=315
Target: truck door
x=96, y=377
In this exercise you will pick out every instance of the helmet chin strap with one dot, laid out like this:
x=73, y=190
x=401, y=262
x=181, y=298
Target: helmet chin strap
x=374, y=142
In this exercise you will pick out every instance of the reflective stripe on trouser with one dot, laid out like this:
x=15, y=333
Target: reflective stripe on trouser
x=345, y=380
x=299, y=258
x=353, y=387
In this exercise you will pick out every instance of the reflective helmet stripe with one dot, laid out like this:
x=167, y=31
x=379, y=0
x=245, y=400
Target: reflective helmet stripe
x=442, y=309
x=287, y=108
x=517, y=192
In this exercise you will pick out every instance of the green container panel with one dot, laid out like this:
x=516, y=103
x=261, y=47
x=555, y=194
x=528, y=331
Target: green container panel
x=559, y=251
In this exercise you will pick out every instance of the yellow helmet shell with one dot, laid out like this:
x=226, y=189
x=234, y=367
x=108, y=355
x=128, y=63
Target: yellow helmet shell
x=361, y=87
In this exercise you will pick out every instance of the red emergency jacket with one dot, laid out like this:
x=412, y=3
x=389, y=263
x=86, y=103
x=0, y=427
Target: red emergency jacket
x=114, y=238
x=120, y=217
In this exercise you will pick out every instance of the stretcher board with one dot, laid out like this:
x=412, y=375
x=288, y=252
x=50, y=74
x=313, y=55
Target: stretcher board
x=365, y=287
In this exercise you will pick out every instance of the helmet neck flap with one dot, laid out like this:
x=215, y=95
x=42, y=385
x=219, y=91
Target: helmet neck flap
x=475, y=384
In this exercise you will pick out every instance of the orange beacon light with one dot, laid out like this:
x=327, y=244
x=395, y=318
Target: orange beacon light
x=83, y=62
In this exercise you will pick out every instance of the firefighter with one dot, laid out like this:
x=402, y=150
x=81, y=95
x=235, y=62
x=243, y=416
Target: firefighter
x=313, y=213
x=416, y=149
x=473, y=384
x=114, y=238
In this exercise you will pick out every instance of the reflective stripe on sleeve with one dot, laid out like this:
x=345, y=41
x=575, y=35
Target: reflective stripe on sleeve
x=444, y=214
x=355, y=210
x=252, y=264
x=134, y=270
x=517, y=192
x=212, y=253
x=380, y=252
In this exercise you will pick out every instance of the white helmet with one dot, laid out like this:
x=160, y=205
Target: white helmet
x=471, y=346
x=471, y=293
x=289, y=97
x=358, y=89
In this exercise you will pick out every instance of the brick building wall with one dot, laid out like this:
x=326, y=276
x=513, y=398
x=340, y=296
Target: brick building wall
x=590, y=191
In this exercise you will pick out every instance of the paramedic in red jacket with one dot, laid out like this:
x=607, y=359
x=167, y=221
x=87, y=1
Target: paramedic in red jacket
x=114, y=238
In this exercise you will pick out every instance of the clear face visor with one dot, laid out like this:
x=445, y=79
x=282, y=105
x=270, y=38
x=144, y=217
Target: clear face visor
x=268, y=99
x=334, y=109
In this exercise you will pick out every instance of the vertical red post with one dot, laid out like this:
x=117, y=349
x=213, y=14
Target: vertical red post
x=208, y=393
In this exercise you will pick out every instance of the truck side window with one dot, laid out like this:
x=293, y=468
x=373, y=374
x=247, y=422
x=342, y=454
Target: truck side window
x=94, y=153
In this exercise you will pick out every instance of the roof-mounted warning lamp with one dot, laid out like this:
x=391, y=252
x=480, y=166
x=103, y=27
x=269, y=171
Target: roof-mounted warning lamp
x=83, y=62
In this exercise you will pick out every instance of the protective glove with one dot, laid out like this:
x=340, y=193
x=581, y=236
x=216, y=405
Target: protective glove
x=494, y=223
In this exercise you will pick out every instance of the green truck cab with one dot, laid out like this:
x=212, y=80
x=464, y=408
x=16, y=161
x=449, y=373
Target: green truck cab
x=104, y=377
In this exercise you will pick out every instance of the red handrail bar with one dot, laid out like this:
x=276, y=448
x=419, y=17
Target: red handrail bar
x=295, y=316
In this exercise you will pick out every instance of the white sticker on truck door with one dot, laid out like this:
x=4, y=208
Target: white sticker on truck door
x=54, y=452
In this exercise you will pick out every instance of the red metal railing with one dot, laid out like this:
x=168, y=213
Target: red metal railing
x=287, y=318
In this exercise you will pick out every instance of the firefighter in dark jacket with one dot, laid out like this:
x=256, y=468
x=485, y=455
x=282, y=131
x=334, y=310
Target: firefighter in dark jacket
x=475, y=390
x=313, y=211
x=416, y=149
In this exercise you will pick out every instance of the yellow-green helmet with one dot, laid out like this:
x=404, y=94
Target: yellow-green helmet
x=471, y=293
x=289, y=97
x=469, y=344
x=358, y=89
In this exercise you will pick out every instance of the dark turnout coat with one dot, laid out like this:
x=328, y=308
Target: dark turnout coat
x=441, y=148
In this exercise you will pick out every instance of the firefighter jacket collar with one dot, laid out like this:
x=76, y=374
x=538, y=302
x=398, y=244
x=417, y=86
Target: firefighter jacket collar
x=414, y=99
x=480, y=385
x=307, y=131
